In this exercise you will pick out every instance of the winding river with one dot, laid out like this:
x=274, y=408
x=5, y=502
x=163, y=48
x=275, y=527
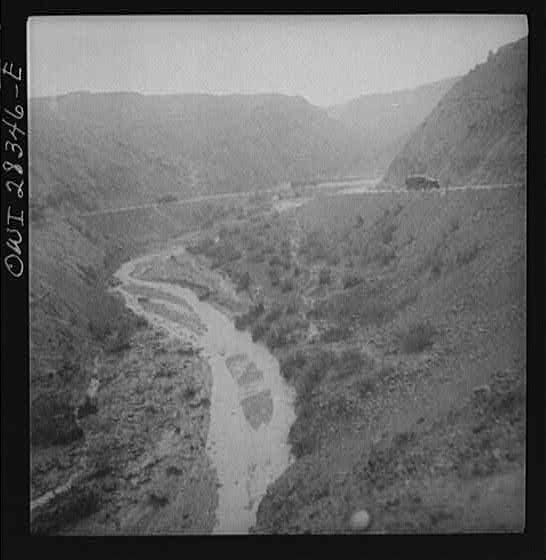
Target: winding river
x=251, y=405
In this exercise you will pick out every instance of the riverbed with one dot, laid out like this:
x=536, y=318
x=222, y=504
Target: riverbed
x=251, y=407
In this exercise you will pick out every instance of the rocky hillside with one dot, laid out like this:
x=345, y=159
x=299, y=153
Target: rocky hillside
x=477, y=133
x=385, y=120
x=110, y=150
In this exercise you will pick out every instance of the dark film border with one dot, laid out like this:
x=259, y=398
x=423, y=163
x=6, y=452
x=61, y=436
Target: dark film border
x=15, y=319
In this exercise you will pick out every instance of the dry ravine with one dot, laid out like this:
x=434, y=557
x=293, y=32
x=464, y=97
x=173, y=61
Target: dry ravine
x=250, y=404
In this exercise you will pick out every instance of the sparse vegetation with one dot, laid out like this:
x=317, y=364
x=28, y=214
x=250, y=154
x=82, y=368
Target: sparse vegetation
x=351, y=280
x=172, y=470
x=287, y=285
x=53, y=421
x=315, y=369
x=102, y=456
x=274, y=276
x=99, y=330
x=307, y=372
x=292, y=307
x=273, y=314
x=167, y=198
x=311, y=376
x=89, y=406
x=190, y=390
x=166, y=371
x=315, y=246
x=157, y=500
x=468, y=254
x=221, y=252
x=256, y=256
x=280, y=330
x=292, y=363
x=114, y=327
x=403, y=439
x=302, y=437
x=340, y=408
x=325, y=276
x=65, y=510
x=333, y=259
x=454, y=224
x=275, y=260
x=434, y=262
x=243, y=321
x=336, y=333
x=276, y=337
x=363, y=305
x=352, y=362
x=122, y=339
x=417, y=337
x=37, y=211
x=243, y=282
x=141, y=322
x=365, y=387
x=387, y=234
x=258, y=331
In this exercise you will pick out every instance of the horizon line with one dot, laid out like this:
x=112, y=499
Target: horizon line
x=240, y=94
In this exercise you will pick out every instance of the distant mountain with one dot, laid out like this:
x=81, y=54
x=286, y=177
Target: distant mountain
x=385, y=120
x=102, y=150
x=477, y=133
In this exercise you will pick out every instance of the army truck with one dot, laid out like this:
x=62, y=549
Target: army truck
x=421, y=182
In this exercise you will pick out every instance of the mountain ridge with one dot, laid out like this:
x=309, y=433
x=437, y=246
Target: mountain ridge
x=477, y=133
x=102, y=149
x=95, y=150
x=387, y=119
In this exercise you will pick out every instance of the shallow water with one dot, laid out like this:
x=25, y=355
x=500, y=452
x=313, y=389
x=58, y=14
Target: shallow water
x=251, y=405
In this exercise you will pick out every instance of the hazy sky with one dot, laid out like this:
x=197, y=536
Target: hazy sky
x=327, y=59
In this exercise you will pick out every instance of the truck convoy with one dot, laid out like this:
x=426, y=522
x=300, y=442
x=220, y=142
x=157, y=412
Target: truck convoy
x=420, y=182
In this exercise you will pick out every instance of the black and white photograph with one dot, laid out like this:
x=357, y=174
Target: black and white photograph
x=277, y=273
